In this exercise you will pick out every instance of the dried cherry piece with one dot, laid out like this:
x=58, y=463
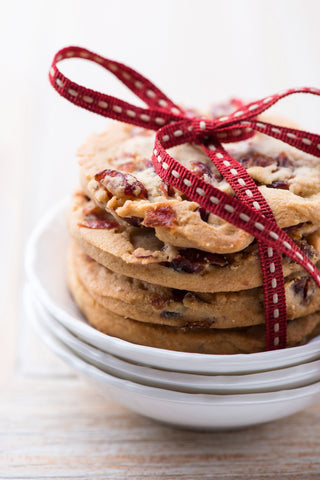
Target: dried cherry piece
x=191, y=260
x=255, y=159
x=166, y=189
x=99, y=224
x=158, y=302
x=306, y=248
x=121, y=184
x=97, y=218
x=134, y=221
x=159, y=217
x=182, y=264
x=282, y=184
x=305, y=287
x=283, y=160
x=201, y=169
x=204, y=214
x=200, y=256
x=292, y=228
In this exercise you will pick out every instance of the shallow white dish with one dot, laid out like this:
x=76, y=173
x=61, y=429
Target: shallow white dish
x=46, y=271
x=189, y=410
x=291, y=377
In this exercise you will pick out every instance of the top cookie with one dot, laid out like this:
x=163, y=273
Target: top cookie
x=117, y=173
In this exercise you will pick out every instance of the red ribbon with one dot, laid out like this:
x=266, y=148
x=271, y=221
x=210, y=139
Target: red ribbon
x=249, y=210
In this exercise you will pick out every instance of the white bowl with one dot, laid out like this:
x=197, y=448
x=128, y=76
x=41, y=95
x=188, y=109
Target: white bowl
x=191, y=410
x=46, y=271
x=291, y=377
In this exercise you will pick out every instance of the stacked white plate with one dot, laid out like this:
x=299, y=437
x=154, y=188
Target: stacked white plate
x=185, y=389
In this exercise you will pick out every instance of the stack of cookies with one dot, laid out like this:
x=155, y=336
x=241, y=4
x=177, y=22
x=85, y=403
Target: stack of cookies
x=151, y=267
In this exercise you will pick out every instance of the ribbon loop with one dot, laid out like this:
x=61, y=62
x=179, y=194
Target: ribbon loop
x=162, y=111
x=305, y=141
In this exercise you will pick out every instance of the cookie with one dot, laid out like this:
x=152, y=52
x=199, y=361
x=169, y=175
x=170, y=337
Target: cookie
x=198, y=340
x=117, y=173
x=136, y=252
x=150, y=303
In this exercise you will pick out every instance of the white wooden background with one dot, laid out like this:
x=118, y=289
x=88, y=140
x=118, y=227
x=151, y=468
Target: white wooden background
x=198, y=52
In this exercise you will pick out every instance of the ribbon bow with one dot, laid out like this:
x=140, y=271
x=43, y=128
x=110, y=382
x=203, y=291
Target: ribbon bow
x=249, y=209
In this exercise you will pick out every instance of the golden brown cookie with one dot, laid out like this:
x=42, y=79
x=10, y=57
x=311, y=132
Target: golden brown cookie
x=136, y=252
x=199, y=340
x=150, y=303
x=117, y=173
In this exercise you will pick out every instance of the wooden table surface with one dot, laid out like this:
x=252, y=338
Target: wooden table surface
x=52, y=425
